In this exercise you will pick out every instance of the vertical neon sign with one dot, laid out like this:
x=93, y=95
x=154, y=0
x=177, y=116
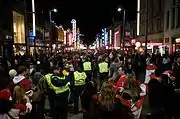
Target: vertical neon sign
x=138, y=17
x=64, y=37
x=73, y=30
x=110, y=37
x=105, y=37
x=115, y=38
x=70, y=39
x=33, y=16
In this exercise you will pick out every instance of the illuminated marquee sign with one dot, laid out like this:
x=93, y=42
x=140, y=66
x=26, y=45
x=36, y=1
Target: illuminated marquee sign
x=64, y=37
x=74, y=30
x=105, y=37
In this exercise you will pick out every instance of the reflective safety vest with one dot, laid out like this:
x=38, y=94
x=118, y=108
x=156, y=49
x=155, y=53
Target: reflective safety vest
x=87, y=66
x=57, y=90
x=103, y=67
x=79, y=78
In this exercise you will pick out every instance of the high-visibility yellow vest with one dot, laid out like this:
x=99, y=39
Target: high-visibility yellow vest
x=103, y=67
x=79, y=78
x=57, y=90
x=87, y=66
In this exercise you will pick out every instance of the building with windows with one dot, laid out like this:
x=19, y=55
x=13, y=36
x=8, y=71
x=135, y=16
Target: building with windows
x=172, y=25
x=6, y=28
x=115, y=35
x=150, y=21
x=16, y=36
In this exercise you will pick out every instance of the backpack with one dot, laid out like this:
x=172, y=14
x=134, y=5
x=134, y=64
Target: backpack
x=37, y=92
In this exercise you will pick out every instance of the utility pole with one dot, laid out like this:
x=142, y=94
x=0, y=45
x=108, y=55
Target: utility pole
x=51, y=27
x=146, y=29
x=26, y=28
x=123, y=33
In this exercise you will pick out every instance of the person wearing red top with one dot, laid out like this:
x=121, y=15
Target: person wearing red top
x=24, y=84
x=121, y=87
x=7, y=108
x=22, y=81
x=150, y=70
x=120, y=83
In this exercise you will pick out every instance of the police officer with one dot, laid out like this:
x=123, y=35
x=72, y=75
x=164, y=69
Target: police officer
x=87, y=66
x=103, y=71
x=58, y=92
x=79, y=81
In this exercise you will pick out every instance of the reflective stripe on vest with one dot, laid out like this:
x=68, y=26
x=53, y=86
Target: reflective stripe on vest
x=48, y=77
x=57, y=90
x=103, y=67
x=79, y=78
x=87, y=66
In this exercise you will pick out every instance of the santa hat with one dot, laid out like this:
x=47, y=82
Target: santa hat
x=5, y=95
x=168, y=72
x=151, y=67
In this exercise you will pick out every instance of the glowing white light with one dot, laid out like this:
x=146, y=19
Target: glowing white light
x=54, y=46
x=138, y=44
x=34, y=18
x=119, y=9
x=115, y=38
x=138, y=17
x=110, y=37
x=54, y=10
x=65, y=37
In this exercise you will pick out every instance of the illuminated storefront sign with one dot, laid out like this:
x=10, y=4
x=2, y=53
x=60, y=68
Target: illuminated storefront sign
x=70, y=39
x=31, y=37
x=177, y=40
x=60, y=35
x=65, y=37
x=74, y=30
x=153, y=44
x=105, y=36
x=115, y=38
x=110, y=36
x=18, y=28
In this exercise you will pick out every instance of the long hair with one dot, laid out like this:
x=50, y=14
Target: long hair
x=19, y=94
x=132, y=88
x=107, y=96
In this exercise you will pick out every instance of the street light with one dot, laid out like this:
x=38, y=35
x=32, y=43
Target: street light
x=123, y=30
x=54, y=10
x=119, y=9
x=50, y=14
x=51, y=22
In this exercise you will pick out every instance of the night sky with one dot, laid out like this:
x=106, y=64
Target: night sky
x=91, y=15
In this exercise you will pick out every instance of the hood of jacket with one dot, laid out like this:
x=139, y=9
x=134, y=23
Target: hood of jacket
x=18, y=79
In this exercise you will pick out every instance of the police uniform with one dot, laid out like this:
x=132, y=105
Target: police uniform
x=103, y=71
x=87, y=66
x=79, y=82
x=58, y=93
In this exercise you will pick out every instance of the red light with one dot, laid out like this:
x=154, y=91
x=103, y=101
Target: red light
x=115, y=38
x=133, y=41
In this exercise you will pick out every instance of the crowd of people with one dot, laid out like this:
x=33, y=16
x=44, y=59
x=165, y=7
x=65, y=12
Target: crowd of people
x=99, y=84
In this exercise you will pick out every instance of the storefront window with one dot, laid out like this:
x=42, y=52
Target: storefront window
x=18, y=28
x=19, y=49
